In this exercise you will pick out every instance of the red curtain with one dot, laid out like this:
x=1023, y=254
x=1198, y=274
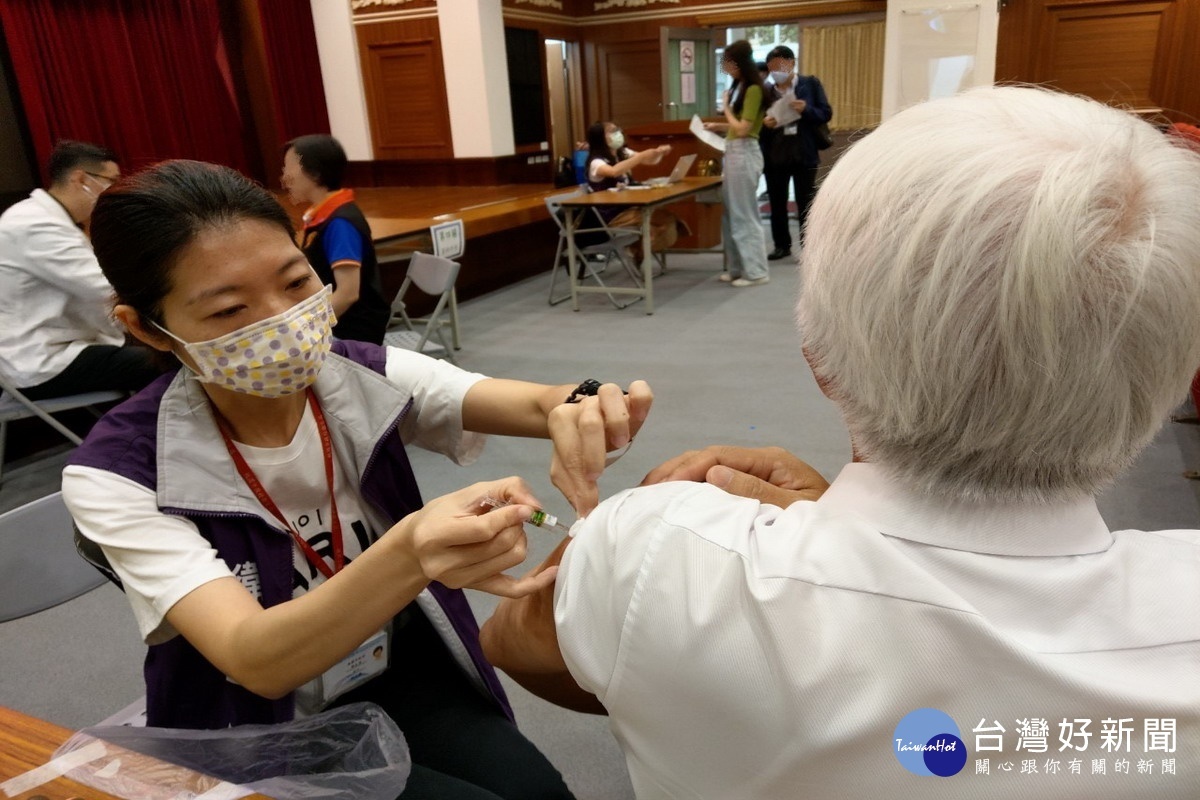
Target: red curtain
x=290, y=41
x=151, y=80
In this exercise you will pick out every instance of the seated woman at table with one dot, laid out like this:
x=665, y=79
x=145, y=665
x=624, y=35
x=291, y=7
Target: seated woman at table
x=610, y=165
x=337, y=239
x=260, y=508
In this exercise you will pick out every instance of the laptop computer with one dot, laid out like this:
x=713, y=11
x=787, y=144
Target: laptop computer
x=681, y=170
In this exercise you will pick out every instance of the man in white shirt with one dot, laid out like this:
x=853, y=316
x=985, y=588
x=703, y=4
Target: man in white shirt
x=57, y=335
x=1001, y=292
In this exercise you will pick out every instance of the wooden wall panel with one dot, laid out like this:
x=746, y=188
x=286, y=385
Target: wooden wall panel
x=1144, y=54
x=1107, y=52
x=405, y=89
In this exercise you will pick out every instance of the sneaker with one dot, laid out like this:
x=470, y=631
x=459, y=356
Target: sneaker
x=741, y=282
x=726, y=277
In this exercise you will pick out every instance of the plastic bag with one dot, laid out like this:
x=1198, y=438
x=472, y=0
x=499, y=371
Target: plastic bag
x=353, y=752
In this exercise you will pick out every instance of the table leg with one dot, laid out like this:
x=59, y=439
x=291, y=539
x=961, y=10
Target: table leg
x=647, y=259
x=570, y=223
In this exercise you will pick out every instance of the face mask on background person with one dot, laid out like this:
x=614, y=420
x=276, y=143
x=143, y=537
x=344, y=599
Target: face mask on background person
x=616, y=140
x=270, y=358
x=780, y=77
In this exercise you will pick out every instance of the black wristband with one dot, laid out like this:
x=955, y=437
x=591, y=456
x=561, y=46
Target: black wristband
x=589, y=388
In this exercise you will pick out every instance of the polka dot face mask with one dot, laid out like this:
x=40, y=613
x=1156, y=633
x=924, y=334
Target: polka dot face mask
x=270, y=358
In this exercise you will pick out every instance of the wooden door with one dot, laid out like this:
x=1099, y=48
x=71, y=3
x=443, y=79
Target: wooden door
x=1141, y=54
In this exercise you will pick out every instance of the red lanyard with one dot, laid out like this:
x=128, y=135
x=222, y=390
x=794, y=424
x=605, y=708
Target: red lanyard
x=256, y=486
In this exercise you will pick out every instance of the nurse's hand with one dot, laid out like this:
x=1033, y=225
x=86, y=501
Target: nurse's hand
x=461, y=541
x=584, y=433
x=768, y=474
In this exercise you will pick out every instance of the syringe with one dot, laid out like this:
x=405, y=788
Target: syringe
x=538, y=519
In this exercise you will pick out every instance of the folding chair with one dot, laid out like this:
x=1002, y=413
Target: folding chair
x=434, y=276
x=612, y=245
x=41, y=568
x=14, y=405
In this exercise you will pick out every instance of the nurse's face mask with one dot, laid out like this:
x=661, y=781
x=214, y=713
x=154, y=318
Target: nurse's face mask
x=270, y=358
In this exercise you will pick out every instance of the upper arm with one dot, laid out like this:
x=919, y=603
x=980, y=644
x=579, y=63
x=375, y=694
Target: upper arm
x=438, y=390
x=159, y=558
x=598, y=577
x=66, y=261
x=752, y=105
x=599, y=168
x=342, y=242
x=819, y=108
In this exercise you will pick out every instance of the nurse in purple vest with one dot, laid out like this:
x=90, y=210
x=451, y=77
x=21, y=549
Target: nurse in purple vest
x=259, y=507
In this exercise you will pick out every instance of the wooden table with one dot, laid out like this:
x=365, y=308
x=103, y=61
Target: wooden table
x=27, y=743
x=387, y=229
x=647, y=199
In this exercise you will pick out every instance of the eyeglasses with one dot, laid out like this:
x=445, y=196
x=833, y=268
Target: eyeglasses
x=105, y=181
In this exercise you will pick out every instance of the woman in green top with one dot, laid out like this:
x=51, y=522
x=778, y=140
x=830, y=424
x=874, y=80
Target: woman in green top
x=741, y=224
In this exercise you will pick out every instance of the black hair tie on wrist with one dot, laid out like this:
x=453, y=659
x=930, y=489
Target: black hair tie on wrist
x=589, y=388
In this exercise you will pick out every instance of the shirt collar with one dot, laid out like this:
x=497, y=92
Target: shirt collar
x=869, y=492
x=321, y=211
x=54, y=205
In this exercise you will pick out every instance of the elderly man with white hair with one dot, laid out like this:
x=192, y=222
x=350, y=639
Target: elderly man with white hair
x=1001, y=292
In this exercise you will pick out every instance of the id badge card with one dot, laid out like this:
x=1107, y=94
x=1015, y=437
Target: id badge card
x=367, y=661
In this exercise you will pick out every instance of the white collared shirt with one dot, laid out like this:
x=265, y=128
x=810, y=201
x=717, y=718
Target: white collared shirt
x=744, y=651
x=54, y=300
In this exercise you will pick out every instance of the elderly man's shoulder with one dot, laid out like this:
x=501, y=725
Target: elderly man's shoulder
x=697, y=508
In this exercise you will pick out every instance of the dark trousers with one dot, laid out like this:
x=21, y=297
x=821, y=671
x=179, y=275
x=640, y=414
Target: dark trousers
x=100, y=367
x=805, y=179
x=462, y=745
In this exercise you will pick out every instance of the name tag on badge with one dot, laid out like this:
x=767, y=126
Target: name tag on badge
x=368, y=660
x=790, y=130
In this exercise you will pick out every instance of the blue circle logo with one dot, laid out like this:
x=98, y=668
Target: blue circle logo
x=927, y=742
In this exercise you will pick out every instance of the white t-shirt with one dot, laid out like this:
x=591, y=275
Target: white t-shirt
x=160, y=558
x=747, y=651
x=595, y=164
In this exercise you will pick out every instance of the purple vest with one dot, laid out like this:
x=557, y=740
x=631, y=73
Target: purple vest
x=183, y=690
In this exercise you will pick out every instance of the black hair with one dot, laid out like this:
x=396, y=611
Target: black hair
x=762, y=66
x=741, y=54
x=68, y=156
x=321, y=157
x=597, y=141
x=781, y=51
x=141, y=224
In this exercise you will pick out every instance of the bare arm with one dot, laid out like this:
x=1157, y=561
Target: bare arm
x=273, y=651
x=521, y=639
x=347, y=275
x=651, y=156
x=583, y=433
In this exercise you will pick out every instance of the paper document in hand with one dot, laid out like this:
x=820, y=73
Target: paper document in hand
x=782, y=110
x=714, y=140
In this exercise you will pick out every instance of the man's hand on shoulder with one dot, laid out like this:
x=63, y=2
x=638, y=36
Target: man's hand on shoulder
x=768, y=474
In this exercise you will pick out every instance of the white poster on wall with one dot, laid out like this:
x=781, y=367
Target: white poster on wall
x=940, y=44
x=687, y=57
x=687, y=88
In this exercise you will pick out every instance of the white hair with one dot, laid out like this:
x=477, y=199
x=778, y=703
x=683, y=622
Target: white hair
x=1001, y=291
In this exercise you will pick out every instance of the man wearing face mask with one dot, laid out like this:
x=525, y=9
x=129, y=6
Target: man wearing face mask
x=791, y=154
x=57, y=335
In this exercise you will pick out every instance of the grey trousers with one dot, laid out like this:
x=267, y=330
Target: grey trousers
x=741, y=224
